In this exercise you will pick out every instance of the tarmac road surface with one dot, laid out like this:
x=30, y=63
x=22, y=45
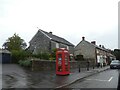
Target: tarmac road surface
x=106, y=79
x=13, y=76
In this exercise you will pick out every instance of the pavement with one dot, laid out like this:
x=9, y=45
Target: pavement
x=19, y=77
x=79, y=76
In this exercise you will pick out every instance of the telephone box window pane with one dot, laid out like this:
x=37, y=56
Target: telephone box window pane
x=66, y=59
x=59, y=59
x=66, y=62
x=59, y=62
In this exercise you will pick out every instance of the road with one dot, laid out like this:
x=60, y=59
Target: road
x=13, y=76
x=106, y=79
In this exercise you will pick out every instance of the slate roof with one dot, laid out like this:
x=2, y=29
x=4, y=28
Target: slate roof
x=97, y=46
x=104, y=49
x=57, y=38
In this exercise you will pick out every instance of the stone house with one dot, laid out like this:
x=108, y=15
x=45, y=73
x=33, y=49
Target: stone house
x=91, y=51
x=45, y=42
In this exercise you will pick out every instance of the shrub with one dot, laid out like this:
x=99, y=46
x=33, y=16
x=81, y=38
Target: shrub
x=19, y=55
x=20, y=62
x=53, y=54
x=44, y=56
x=26, y=63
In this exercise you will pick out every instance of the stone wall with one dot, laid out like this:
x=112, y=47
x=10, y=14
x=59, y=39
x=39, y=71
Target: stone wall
x=38, y=65
x=43, y=65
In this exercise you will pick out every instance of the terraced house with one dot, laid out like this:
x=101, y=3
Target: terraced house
x=45, y=42
x=90, y=51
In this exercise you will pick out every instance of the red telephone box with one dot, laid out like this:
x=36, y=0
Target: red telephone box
x=62, y=62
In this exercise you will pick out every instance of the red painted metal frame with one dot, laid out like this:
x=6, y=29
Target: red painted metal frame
x=63, y=52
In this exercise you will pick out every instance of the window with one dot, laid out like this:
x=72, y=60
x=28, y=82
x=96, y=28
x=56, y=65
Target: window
x=57, y=45
x=97, y=51
x=67, y=47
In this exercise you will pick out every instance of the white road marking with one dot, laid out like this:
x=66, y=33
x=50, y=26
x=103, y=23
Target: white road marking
x=110, y=79
x=97, y=80
x=102, y=80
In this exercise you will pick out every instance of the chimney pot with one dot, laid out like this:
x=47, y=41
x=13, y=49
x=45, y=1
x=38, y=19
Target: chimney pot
x=103, y=46
x=50, y=32
x=83, y=38
x=93, y=42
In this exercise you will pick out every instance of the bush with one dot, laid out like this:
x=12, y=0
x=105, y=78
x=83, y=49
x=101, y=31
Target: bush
x=19, y=55
x=53, y=54
x=20, y=62
x=26, y=63
x=44, y=56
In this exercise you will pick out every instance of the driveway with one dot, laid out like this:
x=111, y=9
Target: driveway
x=13, y=76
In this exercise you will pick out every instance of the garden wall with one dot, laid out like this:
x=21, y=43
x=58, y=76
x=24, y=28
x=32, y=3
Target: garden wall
x=51, y=65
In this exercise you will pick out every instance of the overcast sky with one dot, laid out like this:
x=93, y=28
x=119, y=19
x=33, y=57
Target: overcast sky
x=96, y=20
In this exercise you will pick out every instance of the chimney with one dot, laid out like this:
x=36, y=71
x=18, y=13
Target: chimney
x=103, y=46
x=93, y=42
x=83, y=38
x=50, y=32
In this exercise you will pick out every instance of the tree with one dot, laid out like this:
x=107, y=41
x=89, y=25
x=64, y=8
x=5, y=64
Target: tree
x=15, y=43
x=16, y=46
